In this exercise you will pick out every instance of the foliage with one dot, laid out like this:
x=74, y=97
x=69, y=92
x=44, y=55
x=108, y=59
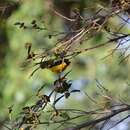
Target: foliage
x=86, y=37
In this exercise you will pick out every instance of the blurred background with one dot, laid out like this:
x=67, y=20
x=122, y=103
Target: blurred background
x=17, y=89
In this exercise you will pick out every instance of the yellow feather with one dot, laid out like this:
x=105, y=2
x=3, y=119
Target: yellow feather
x=59, y=68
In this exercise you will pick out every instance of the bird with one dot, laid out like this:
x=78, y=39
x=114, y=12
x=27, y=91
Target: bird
x=55, y=65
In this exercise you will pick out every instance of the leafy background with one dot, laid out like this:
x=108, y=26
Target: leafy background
x=16, y=88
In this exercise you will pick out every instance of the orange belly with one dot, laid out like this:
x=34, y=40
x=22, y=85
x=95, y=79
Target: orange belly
x=58, y=68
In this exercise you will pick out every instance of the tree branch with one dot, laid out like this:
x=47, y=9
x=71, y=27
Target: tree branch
x=93, y=122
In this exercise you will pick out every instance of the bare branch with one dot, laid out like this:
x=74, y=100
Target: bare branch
x=93, y=122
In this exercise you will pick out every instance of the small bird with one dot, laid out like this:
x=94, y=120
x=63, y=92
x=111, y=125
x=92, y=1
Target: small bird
x=56, y=66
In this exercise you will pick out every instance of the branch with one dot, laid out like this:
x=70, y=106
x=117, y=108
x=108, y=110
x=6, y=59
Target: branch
x=119, y=122
x=93, y=122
